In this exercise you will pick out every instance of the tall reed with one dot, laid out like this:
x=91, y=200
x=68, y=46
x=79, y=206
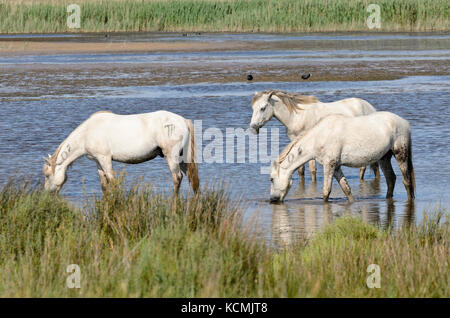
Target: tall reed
x=224, y=15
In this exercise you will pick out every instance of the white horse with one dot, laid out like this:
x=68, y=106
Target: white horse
x=105, y=137
x=300, y=113
x=348, y=141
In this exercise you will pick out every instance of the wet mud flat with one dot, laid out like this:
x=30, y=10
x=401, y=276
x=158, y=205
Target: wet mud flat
x=27, y=80
x=158, y=59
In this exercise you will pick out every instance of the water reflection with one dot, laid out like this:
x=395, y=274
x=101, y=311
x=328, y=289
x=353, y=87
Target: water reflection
x=295, y=220
x=369, y=188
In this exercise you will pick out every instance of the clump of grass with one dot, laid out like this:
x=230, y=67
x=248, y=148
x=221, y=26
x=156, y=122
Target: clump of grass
x=138, y=243
x=413, y=260
x=131, y=242
x=224, y=15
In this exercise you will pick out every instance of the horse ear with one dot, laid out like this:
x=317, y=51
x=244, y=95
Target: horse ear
x=47, y=160
x=256, y=93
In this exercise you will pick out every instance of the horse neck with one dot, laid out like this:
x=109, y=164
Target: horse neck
x=295, y=122
x=70, y=149
x=281, y=112
x=307, y=154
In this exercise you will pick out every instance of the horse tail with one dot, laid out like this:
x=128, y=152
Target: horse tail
x=410, y=167
x=192, y=169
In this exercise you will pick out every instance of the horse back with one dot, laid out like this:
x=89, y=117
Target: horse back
x=136, y=137
x=358, y=141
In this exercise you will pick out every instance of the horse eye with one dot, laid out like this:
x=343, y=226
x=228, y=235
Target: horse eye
x=263, y=109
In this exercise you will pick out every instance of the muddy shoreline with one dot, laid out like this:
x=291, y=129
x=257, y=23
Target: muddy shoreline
x=356, y=57
x=72, y=76
x=184, y=42
x=37, y=47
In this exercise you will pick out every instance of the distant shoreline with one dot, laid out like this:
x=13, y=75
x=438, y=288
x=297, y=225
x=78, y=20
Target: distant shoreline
x=34, y=47
x=69, y=33
x=141, y=42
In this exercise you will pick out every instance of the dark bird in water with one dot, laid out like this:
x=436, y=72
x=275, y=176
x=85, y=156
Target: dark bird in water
x=250, y=77
x=184, y=34
x=306, y=76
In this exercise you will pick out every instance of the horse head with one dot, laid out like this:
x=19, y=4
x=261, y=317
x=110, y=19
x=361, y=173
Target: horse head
x=280, y=182
x=263, y=111
x=53, y=178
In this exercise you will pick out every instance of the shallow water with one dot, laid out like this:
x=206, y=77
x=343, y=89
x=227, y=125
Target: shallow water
x=44, y=97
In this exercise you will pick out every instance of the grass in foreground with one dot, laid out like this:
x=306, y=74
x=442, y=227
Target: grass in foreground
x=137, y=243
x=224, y=15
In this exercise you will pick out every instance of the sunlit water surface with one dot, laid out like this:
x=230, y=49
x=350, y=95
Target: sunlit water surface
x=31, y=127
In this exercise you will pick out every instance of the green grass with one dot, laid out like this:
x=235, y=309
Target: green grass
x=225, y=15
x=138, y=243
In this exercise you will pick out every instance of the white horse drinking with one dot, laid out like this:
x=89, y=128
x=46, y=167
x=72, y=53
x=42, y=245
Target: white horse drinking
x=348, y=141
x=299, y=113
x=105, y=137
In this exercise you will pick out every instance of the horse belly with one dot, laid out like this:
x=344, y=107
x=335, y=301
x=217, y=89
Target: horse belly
x=360, y=155
x=134, y=148
x=137, y=155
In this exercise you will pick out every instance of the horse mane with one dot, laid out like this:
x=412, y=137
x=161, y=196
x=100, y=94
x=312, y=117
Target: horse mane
x=283, y=155
x=291, y=100
x=54, y=156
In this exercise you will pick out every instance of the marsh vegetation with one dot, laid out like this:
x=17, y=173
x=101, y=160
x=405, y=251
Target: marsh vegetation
x=136, y=242
x=223, y=16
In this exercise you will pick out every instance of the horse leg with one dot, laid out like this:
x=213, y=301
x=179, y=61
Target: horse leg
x=328, y=171
x=375, y=169
x=312, y=169
x=174, y=167
x=105, y=163
x=362, y=171
x=301, y=173
x=183, y=167
x=103, y=179
x=339, y=175
x=389, y=174
x=401, y=155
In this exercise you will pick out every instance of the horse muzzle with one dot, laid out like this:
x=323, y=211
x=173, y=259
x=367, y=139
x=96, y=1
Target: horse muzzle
x=275, y=198
x=254, y=129
x=52, y=189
